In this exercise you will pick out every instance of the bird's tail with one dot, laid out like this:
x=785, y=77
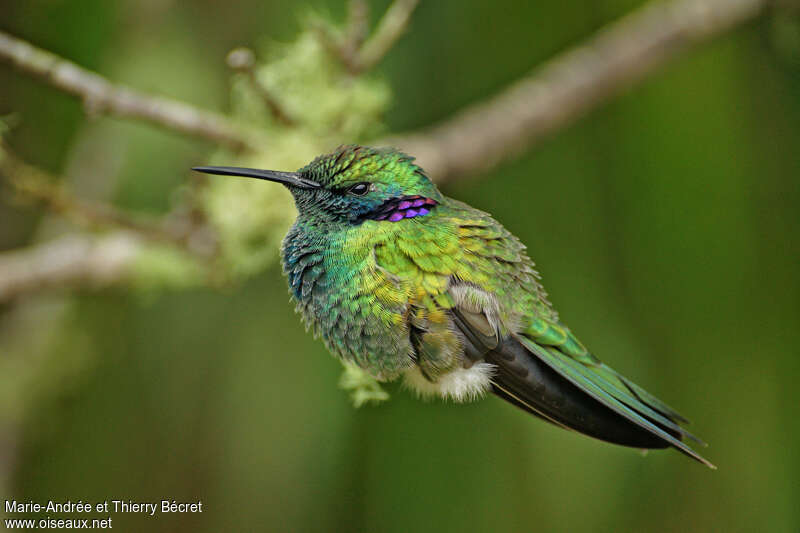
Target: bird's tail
x=594, y=401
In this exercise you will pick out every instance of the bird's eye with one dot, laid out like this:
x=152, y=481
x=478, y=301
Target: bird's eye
x=359, y=189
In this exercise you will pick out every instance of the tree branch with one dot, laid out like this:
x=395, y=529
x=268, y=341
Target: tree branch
x=38, y=185
x=390, y=28
x=358, y=57
x=71, y=261
x=101, y=96
x=472, y=141
x=243, y=60
x=357, y=27
x=83, y=260
x=570, y=85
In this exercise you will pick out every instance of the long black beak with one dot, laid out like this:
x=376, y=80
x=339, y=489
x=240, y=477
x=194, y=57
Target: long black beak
x=291, y=179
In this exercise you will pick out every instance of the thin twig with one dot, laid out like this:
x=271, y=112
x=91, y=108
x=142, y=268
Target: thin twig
x=243, y=60
x=357, y=27
x=570, y=85
x=36, y=184
x=85, y=260
x=390, y=28
x=101, y=96
x=356, y=57
x=473, y=141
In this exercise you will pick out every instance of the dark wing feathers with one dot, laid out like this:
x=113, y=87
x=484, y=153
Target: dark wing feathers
x=600, y=390
x=543, y=391
x=590, y=399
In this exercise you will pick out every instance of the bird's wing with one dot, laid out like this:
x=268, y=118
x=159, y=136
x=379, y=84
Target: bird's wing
x=467, y=265
x=618, y=394
x=555, y=378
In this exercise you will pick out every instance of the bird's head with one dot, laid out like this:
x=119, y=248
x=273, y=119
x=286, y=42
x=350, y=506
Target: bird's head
x=353, y=184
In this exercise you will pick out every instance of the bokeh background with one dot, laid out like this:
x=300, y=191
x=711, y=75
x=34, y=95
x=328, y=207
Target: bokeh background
x=666, y=225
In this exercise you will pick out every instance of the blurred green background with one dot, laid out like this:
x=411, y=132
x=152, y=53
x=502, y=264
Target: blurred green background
x=666, y=225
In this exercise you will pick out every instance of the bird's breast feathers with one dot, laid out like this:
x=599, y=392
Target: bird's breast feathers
x=381, y=294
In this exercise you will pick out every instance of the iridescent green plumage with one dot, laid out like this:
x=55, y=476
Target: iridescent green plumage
x=404, y=282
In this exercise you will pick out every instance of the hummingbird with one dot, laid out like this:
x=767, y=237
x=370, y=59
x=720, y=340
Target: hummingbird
x=404, y=282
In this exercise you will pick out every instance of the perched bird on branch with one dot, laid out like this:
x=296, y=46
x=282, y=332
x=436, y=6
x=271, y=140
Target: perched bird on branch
x=403, y=281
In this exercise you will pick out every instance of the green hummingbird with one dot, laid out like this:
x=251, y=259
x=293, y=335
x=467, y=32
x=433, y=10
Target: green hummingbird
x=405, y=282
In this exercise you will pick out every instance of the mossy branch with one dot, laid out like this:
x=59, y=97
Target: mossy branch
x=569, y=86
x=33, y=184
x=86, y=260
x=357, y=52
x=243, y=60
x=472, y=141
x=362, y=387
x=73, y=261
x=100, y=96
